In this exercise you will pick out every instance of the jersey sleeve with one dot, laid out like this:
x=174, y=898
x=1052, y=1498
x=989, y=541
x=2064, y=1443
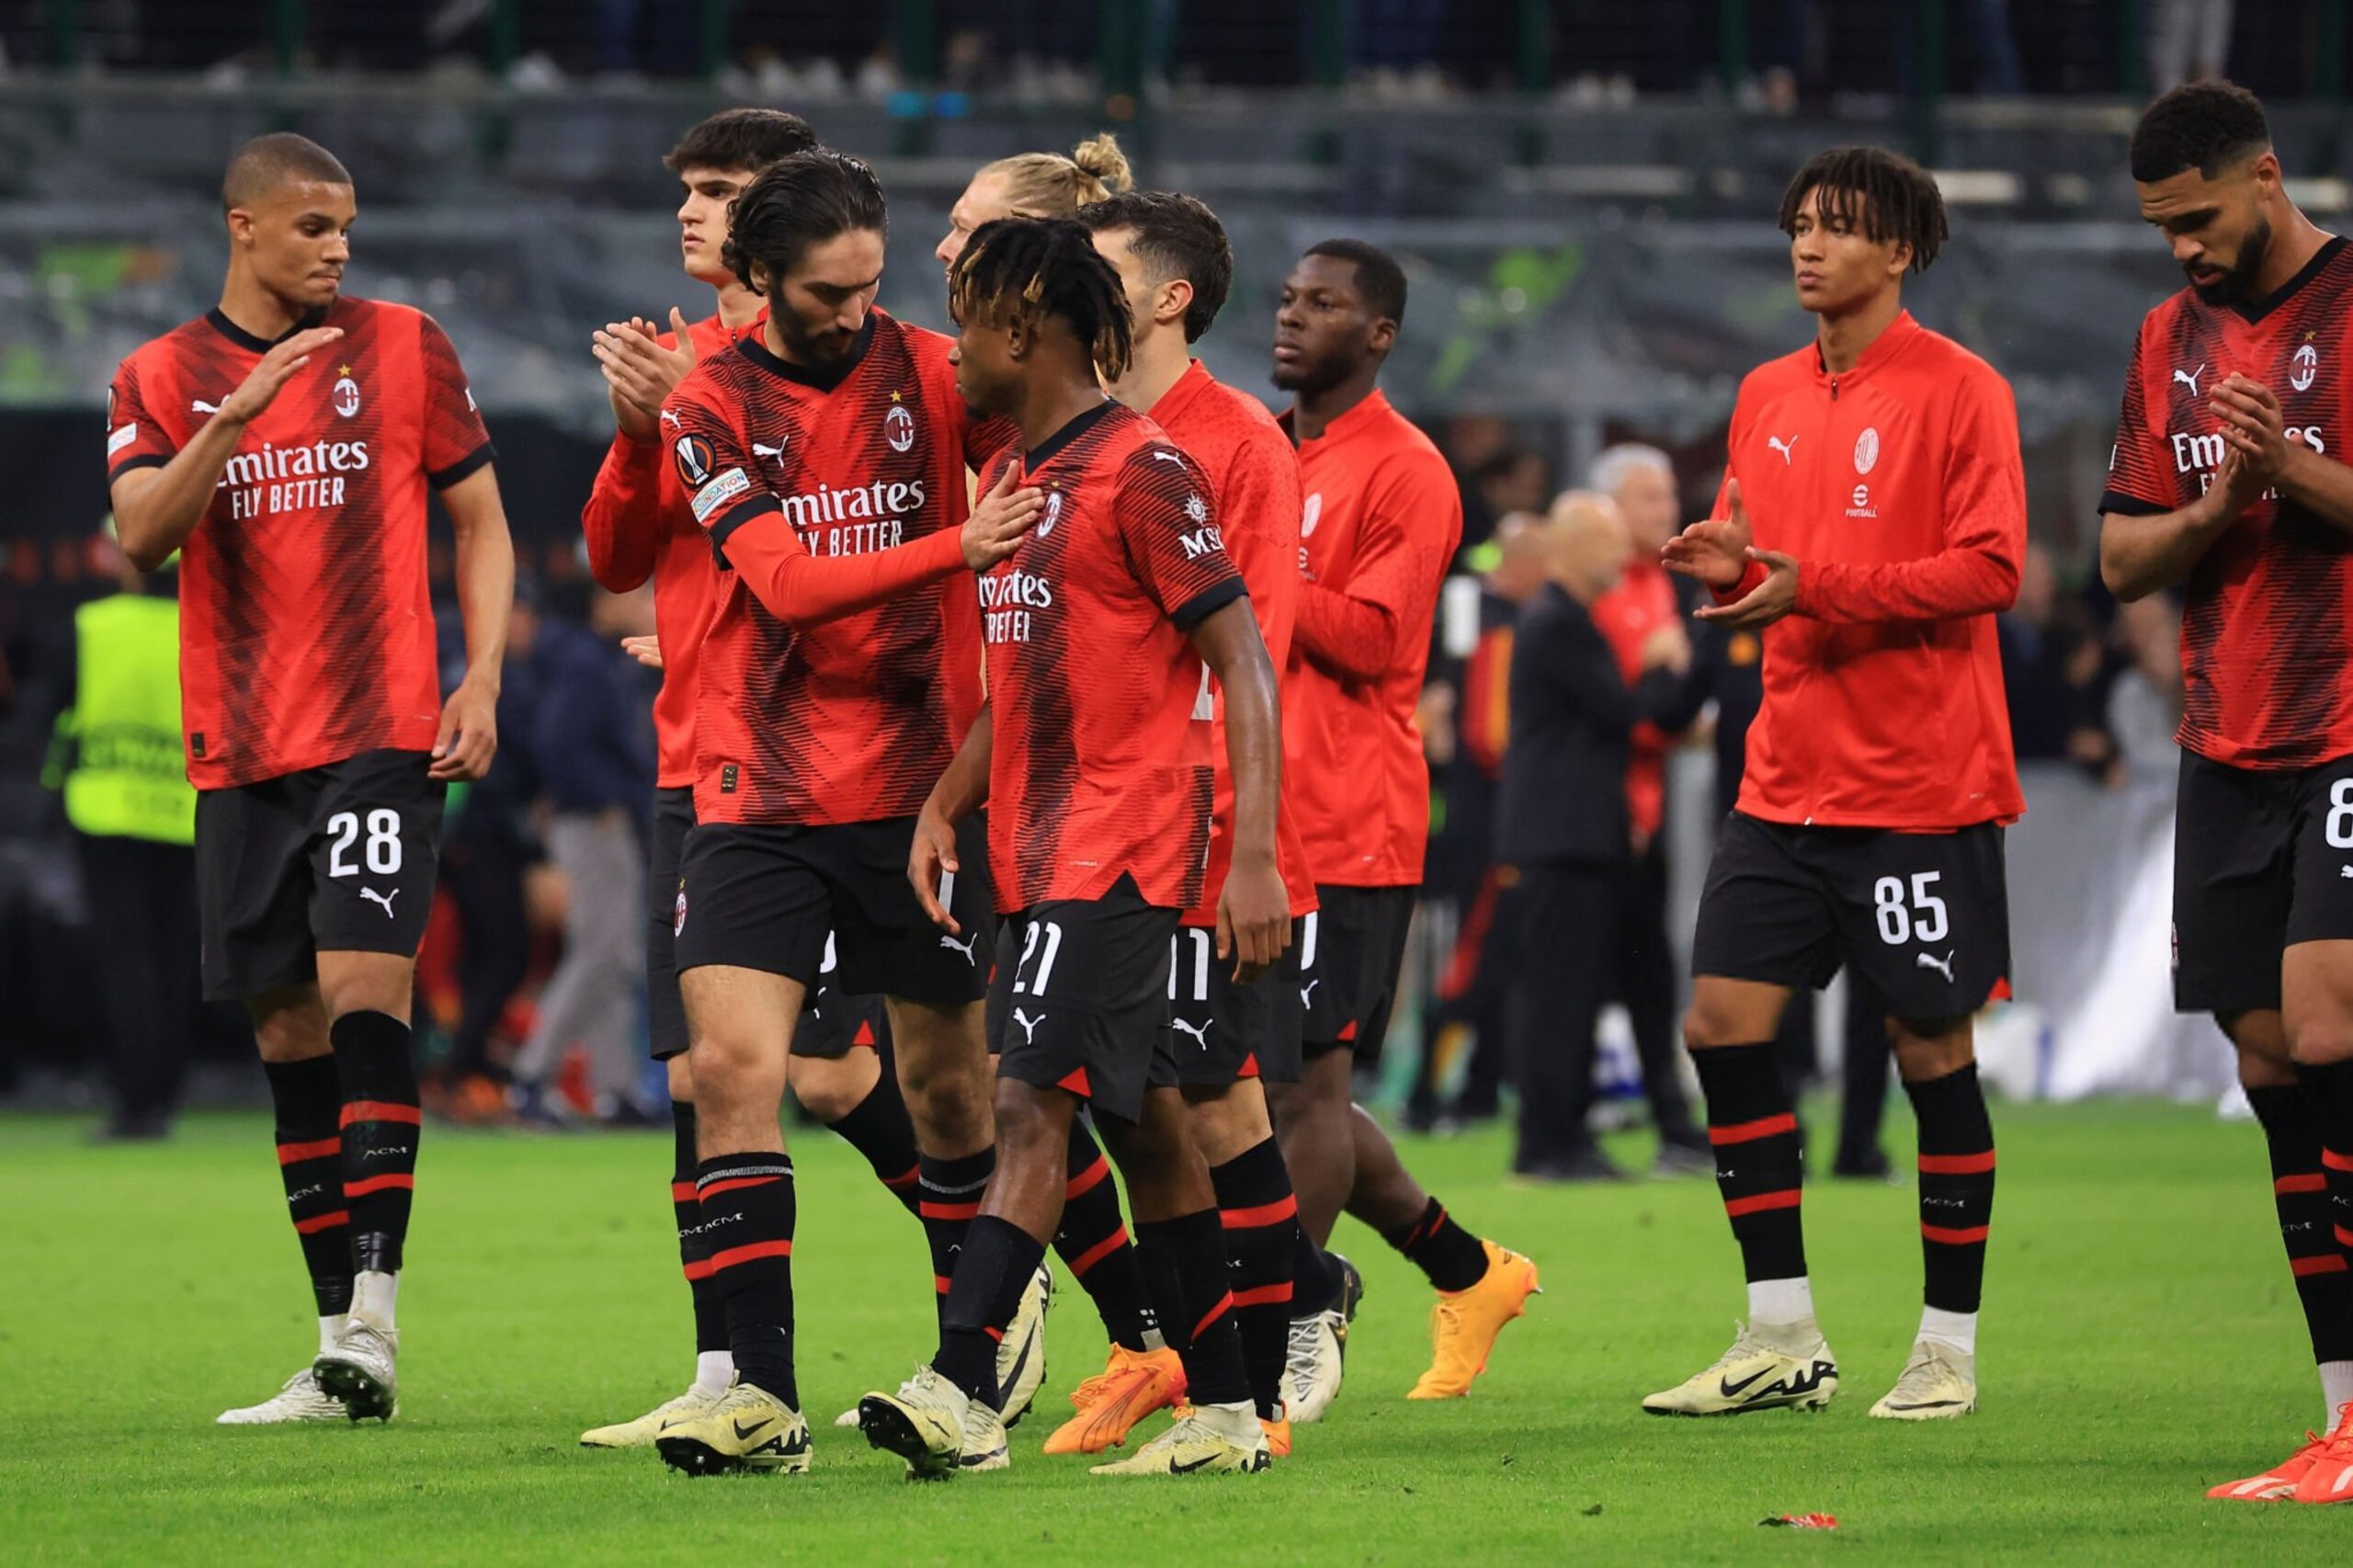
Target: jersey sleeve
x=622, y=521
x=134, y=439
x=1169, y=525
x=1412, y=511
x=2136, y=465
x=456, y=442
x=1976, y=571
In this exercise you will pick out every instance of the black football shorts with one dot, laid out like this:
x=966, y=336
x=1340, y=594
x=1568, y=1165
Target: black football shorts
x=339, y=858
x=832, y=1024
x=1081, y=994
x=1924, y=917
x=1351, y=957
x=1224, y=1031
x=2261, y=862
x=769, y=896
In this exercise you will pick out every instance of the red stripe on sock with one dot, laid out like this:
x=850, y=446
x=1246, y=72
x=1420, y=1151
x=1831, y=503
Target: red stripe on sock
x=996, y=1334
x=289, y=1153
x=1956, y=1238
x=1737, y=1207
x=1087, y=1180
x=1749, y=1132
x=1097, y=1252
x=1225, y=1305
x=1263, y=1215
x=378, y=1184
x=317, y=1222
x=682, y=1192
x=2335, y=1161
x=1956, y=1165
x=939, y=1284
x=2328, y=1263
x=700, y=1270
x=733, y=1184
x=1264, y=1296
x=899, y=1182
x=929, y=1211
x=2316, y=1182
x=2344, y=1237
x=380, y=1110
x=750, y=1253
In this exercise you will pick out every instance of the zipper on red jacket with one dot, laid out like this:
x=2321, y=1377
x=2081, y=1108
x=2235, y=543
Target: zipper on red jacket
x=1834, y=389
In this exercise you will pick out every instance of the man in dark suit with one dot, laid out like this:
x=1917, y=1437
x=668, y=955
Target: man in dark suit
x=1563, y=828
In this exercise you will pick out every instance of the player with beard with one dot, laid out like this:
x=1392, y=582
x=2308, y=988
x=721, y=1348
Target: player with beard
x=283, y=444
x=1100, y=788
x=1380, y=521
x=1175, y=266
x=823, y=456
x=638, y=527
x=2226, y=485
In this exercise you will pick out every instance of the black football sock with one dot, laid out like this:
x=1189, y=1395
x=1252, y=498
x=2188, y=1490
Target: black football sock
x=693, y=1248
x=998, y=1259
x=748, y=1212
x=1093, y=1244
x=1183, y=1261
x=2330, y=1086
x=2300, y=1193
x=1760, y=1165
x=1451, y=1256
x=1260, y=1215
x=1956, y=1186
x=1315, y=1278
x=381, y=1123
x=947, y=1197
x=878, y=1127
x=307, y=1097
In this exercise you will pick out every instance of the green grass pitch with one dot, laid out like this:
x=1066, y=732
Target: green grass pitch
x=2140, y=1341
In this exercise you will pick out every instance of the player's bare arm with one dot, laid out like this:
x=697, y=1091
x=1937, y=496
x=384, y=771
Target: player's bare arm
x=2142, y=555
x=961, y=791
x=640, y=374
x=156, y=508
x=1254, y=908
x=469, y=733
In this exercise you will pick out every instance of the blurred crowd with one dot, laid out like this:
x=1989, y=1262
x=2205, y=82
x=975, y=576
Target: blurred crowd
x=1567, y=674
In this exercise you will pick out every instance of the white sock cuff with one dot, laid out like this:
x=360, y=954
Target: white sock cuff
x=714, y=1369
x=1958, y=1330
x=1781, y=1302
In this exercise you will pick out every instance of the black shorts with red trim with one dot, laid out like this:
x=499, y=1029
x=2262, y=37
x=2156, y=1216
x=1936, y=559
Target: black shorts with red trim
x=1924, y=917
x=2262, y=861
x=1082, y=995
x=1225, y=1031
x=769, y=896
x=1351, y=957
x=337, y=858
x=832, y=1025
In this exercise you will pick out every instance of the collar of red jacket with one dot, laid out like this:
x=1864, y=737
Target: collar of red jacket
x=1886, y=347
x=1180, y=395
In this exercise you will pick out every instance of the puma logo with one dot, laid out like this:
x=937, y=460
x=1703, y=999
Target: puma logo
x=198, y=406
x=1028, y=1024
x=385, y=899
x=2189, y=379
x=964, y=946
x=670, y=416
x=776, y=452
x=1941, y=965
x=1307, y=991
x=1786, y=446
x=1201, y=1032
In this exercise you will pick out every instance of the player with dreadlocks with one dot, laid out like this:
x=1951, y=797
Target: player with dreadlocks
x=1098, y=785
x=1872, y=525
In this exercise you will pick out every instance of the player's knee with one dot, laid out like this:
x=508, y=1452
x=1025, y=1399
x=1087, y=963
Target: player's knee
x=1705, y=1028
x=949, y=1105
x=825, y=1097
x=2314, y=1040
x=681, y=1074
x=1027, y=1131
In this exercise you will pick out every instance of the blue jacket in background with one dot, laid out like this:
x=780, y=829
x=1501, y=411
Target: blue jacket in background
x=592, y=737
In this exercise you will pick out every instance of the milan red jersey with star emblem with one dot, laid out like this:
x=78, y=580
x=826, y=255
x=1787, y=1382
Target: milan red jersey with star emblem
x=306, y=624
x=1254, y=477
x=851, y=719
x=2266, y=626
x=1097, y=769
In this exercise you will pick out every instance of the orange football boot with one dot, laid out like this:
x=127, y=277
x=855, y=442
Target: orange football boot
x=1464, y=1324
x=1128, y=1388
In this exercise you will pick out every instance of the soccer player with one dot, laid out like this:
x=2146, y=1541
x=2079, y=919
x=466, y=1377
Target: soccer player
x=283, y=443
x=638, y=527
x=1141, y=1374
x=1100, y=788
x=1879, y=464
x=1380, y=521
x=1176, y=267
x=2226, y=483
x=823, y=456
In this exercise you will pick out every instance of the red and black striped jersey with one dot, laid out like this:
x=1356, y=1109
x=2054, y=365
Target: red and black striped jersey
x=1097, y=769
x=2267, y=629
x=853, y=718
x=306, y=623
